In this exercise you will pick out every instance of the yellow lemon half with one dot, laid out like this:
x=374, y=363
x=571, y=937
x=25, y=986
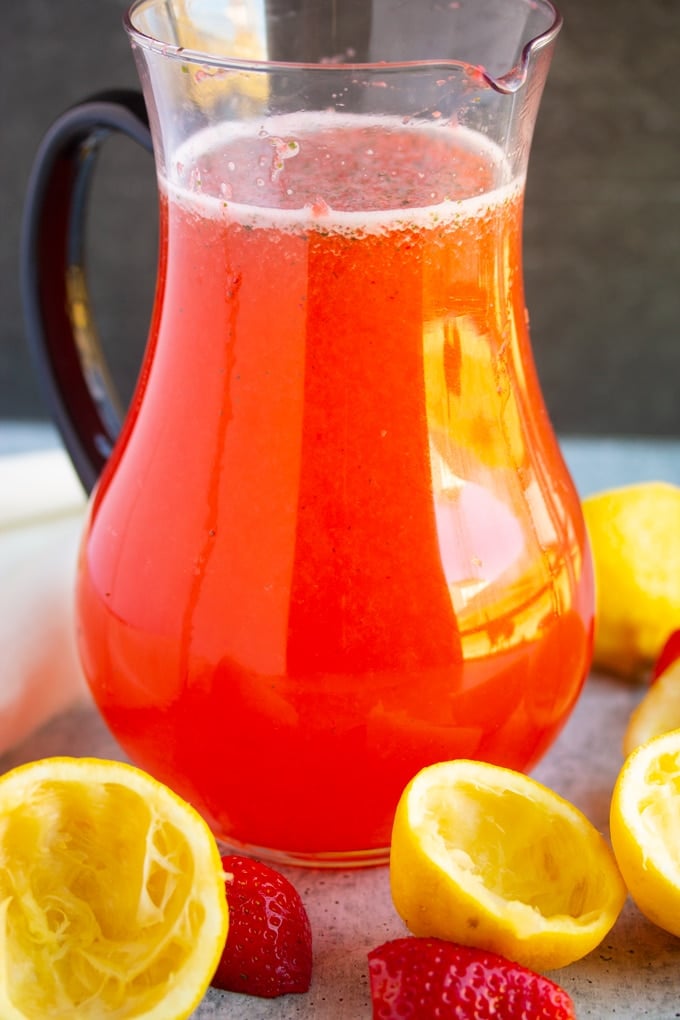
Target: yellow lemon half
x=112, y=900
x=489, y=857
x=635, y=538
x=645, y=818
x=658, y=711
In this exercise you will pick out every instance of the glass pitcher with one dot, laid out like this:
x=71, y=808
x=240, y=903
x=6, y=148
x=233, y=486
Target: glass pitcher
x=334, y=540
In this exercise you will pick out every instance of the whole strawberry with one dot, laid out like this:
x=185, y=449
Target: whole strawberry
x=269, y=945
x=431, y=979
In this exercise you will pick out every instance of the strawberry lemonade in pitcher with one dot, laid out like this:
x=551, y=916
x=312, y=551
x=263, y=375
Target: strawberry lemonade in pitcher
x=335, y=540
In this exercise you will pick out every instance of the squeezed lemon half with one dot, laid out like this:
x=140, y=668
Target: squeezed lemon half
x=657, y=712
x=489, y=857
x=112, y=900
x=645, y=828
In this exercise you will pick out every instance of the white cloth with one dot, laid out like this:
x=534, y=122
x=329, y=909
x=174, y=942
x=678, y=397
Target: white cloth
x=41, y=517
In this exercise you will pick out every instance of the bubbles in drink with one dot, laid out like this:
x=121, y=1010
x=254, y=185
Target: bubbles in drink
x=345, y=166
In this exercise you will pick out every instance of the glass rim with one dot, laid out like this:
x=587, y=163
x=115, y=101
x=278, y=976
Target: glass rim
x=508, y=82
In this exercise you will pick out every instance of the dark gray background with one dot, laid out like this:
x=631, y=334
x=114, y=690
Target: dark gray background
x=602, y=228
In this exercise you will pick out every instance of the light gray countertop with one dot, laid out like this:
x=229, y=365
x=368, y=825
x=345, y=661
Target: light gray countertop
x=636, y=970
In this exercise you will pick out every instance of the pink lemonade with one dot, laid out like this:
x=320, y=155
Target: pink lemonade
x=339, y=542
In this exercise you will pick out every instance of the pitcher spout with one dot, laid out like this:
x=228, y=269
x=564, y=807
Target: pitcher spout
x=535, y=52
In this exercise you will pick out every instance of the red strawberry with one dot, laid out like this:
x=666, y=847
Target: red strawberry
x=667, y=656
x=430, y=979
x=269, y=944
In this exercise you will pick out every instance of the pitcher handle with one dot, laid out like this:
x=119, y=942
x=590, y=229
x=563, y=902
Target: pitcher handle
x=61, y=334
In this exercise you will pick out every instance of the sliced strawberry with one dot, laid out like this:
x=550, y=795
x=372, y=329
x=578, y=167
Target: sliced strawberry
x=667, y=656
x=431, y=979
x=269, y=945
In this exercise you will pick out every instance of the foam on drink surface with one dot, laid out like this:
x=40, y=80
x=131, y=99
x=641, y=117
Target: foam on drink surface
x=339, y=173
